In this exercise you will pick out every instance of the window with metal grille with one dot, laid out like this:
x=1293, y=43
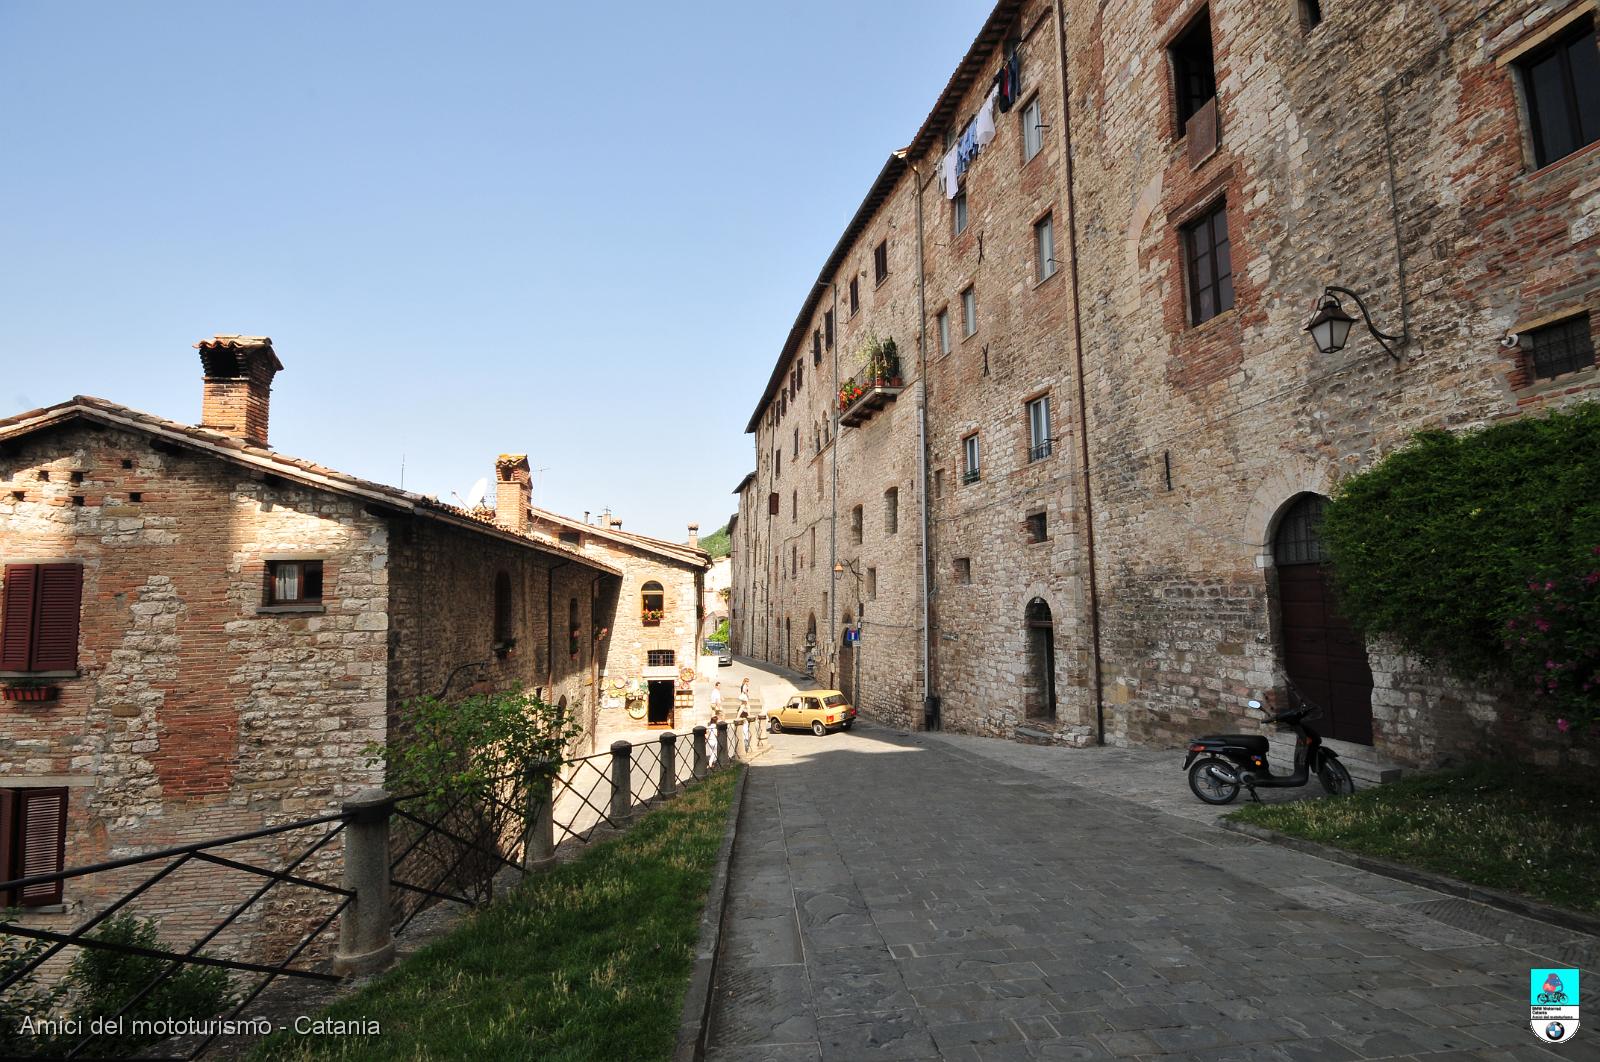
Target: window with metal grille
x=1210, y=268
x=1559, y=348
x=660, y=657
x=1039, y=428
x=1193, y=69
x=1561, y=83
x=1299, y=536
x=39, y=613
x=880, y=262
x=33, y=841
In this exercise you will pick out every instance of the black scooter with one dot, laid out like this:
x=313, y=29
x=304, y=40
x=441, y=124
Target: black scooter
x=1219, y=764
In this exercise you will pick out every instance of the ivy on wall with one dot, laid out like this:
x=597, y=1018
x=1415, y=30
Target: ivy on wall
x=1476, y=551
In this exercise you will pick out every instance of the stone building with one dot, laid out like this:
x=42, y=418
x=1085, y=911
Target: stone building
x=224, y=631
x=1132, y=561
x=653, y=616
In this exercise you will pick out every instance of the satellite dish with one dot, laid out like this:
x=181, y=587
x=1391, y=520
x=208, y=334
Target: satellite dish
x=475, y=495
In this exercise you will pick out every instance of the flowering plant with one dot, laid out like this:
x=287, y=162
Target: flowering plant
x=1552, y=643
x=653, y=615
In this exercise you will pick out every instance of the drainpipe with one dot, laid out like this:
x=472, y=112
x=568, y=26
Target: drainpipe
x=833, y=515
x=1083, y=391
x=922, y=445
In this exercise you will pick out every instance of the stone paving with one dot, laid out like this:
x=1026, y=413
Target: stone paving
x=916, y=896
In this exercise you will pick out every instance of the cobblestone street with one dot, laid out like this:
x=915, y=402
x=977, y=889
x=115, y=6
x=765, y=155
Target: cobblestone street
x=902, y=896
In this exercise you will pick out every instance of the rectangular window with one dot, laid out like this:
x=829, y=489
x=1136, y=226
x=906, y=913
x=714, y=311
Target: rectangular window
x=969, y=311
x=880, y=262
x=39, y=617
x=1561, y=82
x=794, y=505
x=1044, y=245
x=1559, y=348
x=827, y=329
x=1038, y=527
x=963, y=570
x=971, y=469
x=938, y=483
x=660, y=657
x=1039, y=428
x=958, y=212
x=872, y=584
x=1310, y=14
x=799, y=375
x=1210, y=270
x=294, y=582
x=944, y=331
x=772, y=504
x=891, y=511
x=1032, y=131
x=33, y=840
x=816, y=345
x=1194, y=73
x=855, y=525
x=855, y=295
x=813, y=547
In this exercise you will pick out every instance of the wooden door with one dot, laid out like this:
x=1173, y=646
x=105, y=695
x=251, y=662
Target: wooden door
x=1323, y=656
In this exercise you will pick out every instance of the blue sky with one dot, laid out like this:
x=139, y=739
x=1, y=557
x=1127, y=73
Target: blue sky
x=576, y=230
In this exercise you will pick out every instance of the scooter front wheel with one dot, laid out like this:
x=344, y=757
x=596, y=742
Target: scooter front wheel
x=1217, y=786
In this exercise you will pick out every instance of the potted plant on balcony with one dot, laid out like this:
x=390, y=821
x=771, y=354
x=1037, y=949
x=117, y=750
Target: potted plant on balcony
x=890, y=354
x=652, y=616
x=26, y=689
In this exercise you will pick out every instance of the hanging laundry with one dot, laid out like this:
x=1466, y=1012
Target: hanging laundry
x=952, y=176
x=1008, y=83
x=983, y=124
x=966, y=150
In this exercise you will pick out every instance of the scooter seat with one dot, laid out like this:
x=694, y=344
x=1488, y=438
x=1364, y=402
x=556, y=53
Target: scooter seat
x=1248, y=742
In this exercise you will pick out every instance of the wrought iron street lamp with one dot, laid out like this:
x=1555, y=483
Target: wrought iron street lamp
x=1330, y=325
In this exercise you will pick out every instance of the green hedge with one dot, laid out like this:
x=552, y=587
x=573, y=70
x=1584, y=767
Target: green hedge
x=1457, y=543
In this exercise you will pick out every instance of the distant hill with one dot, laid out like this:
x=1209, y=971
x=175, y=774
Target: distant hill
x=718, y=544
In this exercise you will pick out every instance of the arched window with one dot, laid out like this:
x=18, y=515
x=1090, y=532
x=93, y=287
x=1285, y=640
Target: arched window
x=504, y=627
x=652, y=604
x=1299, y=536
x=572, y=634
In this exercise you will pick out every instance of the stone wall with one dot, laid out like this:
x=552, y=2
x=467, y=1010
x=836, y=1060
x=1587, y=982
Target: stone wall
x=193, y=715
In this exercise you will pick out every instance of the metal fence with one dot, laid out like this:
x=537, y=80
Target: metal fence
x=397, y=857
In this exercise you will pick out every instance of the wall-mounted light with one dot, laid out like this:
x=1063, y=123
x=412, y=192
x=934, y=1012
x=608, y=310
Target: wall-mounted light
x=1329, y=327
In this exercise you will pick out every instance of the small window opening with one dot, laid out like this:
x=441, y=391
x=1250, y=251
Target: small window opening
x=77, y=499
x=135, y=496
x=127, y=462
x=1310, y=14
x=963, y=570
x=1038, y=527
x=294, y=582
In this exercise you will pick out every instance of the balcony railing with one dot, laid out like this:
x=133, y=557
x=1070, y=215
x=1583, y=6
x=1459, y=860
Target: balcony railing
x=1040, y=452
x=971, y=475
x=870, y=390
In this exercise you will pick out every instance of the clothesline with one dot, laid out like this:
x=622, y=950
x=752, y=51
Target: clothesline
x=981, y=130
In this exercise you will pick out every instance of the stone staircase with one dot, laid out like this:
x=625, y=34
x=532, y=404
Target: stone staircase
x=1365, y=766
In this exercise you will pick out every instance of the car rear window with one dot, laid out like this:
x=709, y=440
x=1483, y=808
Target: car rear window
x=836, y=700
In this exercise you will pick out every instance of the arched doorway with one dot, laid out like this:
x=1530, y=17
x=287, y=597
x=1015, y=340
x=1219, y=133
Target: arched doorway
x=1039, y=696
x=1322, y=655
x=847, y=661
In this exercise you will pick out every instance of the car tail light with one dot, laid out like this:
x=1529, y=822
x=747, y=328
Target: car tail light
x=830, y=719
x=1197, y=748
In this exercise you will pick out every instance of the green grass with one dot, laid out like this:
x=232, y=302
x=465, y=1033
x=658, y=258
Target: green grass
x=1518, y=829
x=588, y=961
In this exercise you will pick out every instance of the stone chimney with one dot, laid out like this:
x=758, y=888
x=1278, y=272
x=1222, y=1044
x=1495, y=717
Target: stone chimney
x=694, y=536
x=615, y=523
x=513, y=489
x=238, y=385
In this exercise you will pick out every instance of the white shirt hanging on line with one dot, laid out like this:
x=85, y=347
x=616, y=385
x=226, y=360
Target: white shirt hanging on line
x=952, y=179
x=983, y=125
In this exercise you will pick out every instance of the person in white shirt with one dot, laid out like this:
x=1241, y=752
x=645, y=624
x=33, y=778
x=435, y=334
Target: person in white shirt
x=711, y=742
x=716, y=699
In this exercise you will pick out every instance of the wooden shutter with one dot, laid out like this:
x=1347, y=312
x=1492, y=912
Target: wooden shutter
x=8, y=827
x=16, y=622
x=55, y=637
x=41, y=841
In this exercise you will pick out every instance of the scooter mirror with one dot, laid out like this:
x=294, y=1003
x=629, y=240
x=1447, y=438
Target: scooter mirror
x=1253, y=704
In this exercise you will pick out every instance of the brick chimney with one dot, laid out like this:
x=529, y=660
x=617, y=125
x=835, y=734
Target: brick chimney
x=238, y=385
x=694, y=536
x=615, y=523
x=513, y=489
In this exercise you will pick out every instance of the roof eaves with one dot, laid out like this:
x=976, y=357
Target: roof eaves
x=745, y=482
x=893, y=167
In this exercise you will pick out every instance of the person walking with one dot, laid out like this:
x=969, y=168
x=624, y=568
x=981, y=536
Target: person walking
x=711, y=742
x=716, y=699
x=744, y=725
x=744, y=697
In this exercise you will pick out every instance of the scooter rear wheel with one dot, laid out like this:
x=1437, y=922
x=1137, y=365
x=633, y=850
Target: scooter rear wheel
x=1207, y=786
x=1335, y=778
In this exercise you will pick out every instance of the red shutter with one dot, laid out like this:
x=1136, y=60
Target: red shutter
x=55, y=638
x=16, y=616
x=42, y=846
x=8, y=826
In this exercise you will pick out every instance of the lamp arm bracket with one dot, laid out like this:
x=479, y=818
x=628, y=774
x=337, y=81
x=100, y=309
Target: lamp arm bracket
x=1377, y=333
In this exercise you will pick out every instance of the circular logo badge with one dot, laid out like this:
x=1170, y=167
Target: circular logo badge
x=1554, y=1031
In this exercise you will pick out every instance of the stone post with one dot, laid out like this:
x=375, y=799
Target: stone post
x=365, y=943
x=722, y=741
x=669, y=764
x=699, y=752
x=762, y=725
x=621, y=781
x=539, y=824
